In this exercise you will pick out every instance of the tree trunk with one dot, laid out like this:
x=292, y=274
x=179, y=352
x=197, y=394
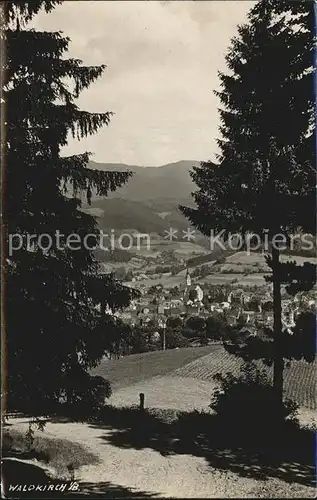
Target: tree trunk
x=277, y=329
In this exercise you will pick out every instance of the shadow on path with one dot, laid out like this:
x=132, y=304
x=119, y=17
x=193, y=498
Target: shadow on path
x=286, y=454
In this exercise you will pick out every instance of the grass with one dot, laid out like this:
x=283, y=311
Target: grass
x=245, y=258
x=237, y=279
x=299, y=377
x=167, y=392
x=240, y=263
x=64, y=456
x=254, y=263
x=138, y=367
x=188, y=364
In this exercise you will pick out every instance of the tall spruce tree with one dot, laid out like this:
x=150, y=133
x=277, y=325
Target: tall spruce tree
x=264, y=181
x=56, y=325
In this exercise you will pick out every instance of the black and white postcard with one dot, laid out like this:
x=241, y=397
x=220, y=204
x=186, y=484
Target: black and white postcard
x=158, y=222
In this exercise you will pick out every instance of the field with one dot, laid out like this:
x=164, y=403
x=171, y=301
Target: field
x=239, y=269
x=245, y=258
x=156, y=244
x=243, y=268
x=244, y=262
x=183, y=248
x=169, y=281
x=299, y=377
x=138, y=367
x=183, y=378
x=234, y=279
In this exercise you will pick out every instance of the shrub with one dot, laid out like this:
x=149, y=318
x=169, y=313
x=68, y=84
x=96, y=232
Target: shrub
x=174, y=338
x=247, y=407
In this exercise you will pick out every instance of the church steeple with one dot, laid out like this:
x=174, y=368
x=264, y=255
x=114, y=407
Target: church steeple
x=188, y=279
x=188, y=283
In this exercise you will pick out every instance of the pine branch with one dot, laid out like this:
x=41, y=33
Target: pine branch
x=23, y=12
x=78, y=177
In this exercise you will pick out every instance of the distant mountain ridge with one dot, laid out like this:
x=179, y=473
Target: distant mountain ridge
x=171, y=181
x=149, y=201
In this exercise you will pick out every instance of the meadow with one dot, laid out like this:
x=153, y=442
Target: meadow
x=299, y=376
x=166, y=376
x=138, y=367
x=251, y=258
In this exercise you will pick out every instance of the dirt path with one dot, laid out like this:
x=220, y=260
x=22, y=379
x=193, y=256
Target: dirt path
x=148, y=471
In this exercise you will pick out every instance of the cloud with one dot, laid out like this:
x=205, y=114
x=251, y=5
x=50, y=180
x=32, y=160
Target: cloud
x=162, y=61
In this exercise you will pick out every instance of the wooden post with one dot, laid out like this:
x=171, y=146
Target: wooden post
x=141, y=400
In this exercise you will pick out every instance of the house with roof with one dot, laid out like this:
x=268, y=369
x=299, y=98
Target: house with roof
x=161, y=309
x=268, y=318
x=248, y=331
x=177, y=311
x=248, y=316
x=232, y=319
x=192, y=307
x=176, y=303
x=259, y=318
x=225, y=305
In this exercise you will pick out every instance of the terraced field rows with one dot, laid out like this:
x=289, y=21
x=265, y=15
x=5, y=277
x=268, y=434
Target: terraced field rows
x=211, y=364
x=300, y=383
x=299, y=377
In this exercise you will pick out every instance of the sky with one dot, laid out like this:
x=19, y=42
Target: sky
x=162, y=62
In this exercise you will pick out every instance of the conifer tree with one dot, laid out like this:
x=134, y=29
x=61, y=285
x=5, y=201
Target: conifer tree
x=56, y=325
x=264, y=180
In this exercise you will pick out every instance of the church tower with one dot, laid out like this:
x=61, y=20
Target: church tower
x=188, y=283
x=188, y=279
